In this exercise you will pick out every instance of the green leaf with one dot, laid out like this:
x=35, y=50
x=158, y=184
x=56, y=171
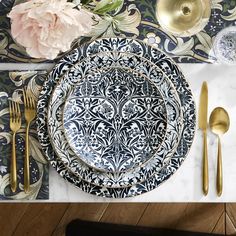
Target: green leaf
x=105, y=6
x=102, y=28
x=232, y=15
x=101, y=4
x=205, y=42
x=84, y=2
x=129, y=20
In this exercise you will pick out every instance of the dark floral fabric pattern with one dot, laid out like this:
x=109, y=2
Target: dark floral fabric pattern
x=140, y=16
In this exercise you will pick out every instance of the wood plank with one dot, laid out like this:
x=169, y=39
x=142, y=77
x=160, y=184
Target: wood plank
x=10, y=215
x=124, y=213
x=230, y=228
x=220, y=225
x=83, y=211
x=190, y=217
x=45, y=219
x=231, y=212
x=162, y=215
x=201, y=217
x=40, y=219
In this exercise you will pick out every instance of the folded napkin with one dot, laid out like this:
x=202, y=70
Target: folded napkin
x=84, y=228
x=11, y=84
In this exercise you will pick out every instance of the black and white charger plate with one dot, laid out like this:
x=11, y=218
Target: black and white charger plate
x=146, y=165
x=172, y=71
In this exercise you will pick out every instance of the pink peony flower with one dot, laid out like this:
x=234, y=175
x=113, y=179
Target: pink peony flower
x=47, y=27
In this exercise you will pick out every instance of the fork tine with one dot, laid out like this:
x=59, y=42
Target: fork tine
x=11, y=111
x=28, y=98
x=14, y=111
x=32, y=102
x=18, y=111
x=25, y=97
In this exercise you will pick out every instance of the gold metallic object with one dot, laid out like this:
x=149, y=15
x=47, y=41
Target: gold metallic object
x=30, y=114
x=219, y=124
x=203, y=110
x=183, y=18
x=15, y=124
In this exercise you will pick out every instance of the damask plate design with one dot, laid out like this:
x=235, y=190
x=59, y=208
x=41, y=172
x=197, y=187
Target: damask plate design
x=115, y=120
x=147, y=169
x=162, y=61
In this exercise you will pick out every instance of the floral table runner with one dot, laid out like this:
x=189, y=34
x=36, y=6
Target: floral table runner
x=11, y=84
x=135, y=19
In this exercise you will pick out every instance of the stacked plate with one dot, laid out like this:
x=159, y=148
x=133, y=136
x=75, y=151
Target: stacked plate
x=116, y=117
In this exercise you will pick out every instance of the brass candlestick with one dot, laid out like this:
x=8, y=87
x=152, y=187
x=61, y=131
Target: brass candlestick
x=183, y=18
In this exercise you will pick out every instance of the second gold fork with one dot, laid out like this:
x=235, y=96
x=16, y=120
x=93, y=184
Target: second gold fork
x=30, y=114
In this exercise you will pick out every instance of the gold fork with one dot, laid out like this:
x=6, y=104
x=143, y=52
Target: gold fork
x=30, y=114
x=15, y=124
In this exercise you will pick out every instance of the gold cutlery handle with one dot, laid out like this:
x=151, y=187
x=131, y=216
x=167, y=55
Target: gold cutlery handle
x=13, y=164
x=26, y=162
x=219, y=178
x=205, y=165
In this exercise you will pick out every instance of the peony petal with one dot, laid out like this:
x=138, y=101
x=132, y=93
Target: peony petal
x=27, y=39
x=47, y=27
x=48, y=52
x=34, y=52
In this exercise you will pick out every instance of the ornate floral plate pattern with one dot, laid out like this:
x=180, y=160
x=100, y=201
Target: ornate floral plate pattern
x=140, y=173
x=140, y=16
x=11, y=84
x=173, y=73
x=114, y=119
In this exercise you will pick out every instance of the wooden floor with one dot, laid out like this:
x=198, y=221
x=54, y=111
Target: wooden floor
x=51, y=219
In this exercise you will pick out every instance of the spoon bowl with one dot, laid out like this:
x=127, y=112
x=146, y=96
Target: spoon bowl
x=219, y=121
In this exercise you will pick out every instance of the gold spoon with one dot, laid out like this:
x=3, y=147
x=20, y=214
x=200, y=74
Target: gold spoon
x=219, y=124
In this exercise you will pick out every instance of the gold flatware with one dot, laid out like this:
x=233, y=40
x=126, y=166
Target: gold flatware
x=30, y=114
x=219, y=124
x=15, y=124
x=203, y=110
x=183, y=17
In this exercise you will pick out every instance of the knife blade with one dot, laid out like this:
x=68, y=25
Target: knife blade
x=202, y=123
x=203, y=107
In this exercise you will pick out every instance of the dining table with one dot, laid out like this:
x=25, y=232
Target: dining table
x=194, y=56
x=186, y=184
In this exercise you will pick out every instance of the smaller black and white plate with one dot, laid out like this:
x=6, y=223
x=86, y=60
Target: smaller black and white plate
x=115, y=119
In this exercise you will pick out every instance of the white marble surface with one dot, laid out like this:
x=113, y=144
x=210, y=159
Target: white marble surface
x=186, y=184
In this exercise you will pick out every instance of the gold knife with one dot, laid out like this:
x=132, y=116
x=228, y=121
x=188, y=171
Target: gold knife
x=203, y=109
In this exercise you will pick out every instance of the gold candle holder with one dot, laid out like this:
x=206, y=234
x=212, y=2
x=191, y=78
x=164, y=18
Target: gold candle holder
x=183, y=18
